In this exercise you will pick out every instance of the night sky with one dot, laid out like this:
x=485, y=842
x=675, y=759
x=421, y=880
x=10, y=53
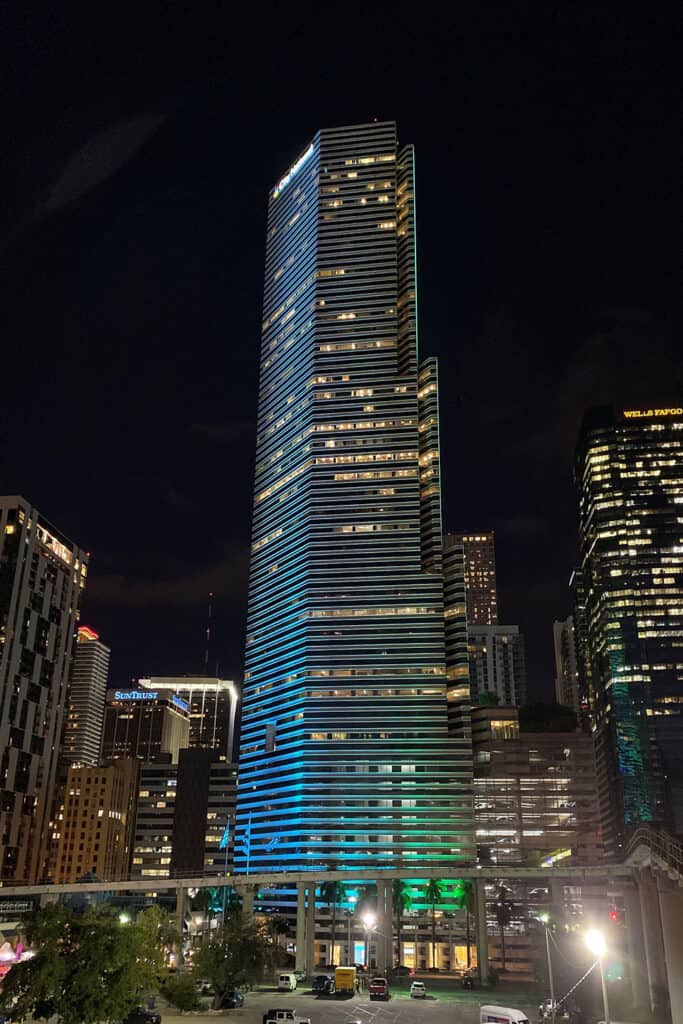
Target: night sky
x=140, y=144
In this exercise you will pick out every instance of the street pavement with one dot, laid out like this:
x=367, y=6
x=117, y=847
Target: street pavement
x=442, y=1007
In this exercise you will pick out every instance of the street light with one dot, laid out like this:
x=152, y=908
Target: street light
x=595, y=941
x=369, y=923
x=544, y=919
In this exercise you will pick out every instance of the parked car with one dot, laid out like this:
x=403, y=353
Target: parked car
x=231, y=1000
x=379, y=988
x=418, y=990
x=323, y=984
x=141, y=1015
x=286, y=982
x=402, y=971
x=300, y=975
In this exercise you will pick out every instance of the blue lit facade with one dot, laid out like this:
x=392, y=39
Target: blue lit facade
x=345, y=756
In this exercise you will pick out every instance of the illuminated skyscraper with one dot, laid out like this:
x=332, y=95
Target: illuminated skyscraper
x=42, y=576
x=85, y=715
x=480, y=577
x=629, y=472
x=345, y=752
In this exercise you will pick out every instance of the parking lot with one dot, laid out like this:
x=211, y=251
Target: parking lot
x=443, y=1005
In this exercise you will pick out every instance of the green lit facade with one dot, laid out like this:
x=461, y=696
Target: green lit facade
x=346, y=757
x=630, y=477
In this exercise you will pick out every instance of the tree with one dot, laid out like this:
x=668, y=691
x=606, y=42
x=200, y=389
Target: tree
x=277, y=925
x=434, y=895
x=503, y=911
x=464, y=894
x=333, y=893
x=180, y=991
x=87, y=968
x=401, y=902
x=234, y=959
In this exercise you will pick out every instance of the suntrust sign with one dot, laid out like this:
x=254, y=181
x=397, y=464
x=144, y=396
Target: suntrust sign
x=636, y=414
x=136, y=694
x=283, y=182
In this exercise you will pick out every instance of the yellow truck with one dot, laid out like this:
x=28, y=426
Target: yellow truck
x=344, y=980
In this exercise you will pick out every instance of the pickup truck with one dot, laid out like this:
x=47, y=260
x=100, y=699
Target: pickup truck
x=284, y=1017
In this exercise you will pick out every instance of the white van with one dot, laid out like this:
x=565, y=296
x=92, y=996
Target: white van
x=501, y=1015
x=286, y=982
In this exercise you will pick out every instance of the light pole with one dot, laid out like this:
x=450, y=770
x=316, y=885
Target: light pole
x=369, y=923
x=595, y=941
x=544, y=919
x=349, y=916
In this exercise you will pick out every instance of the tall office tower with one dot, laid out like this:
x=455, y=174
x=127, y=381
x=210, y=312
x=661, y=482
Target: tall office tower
x=497, y=664
x=480, y=577
x=567, y=665
x=42, y=576
x=144, y=725
x=85, y=715
x=213, y=708
x=345, y=753
x=629, y=472
x=95, y=828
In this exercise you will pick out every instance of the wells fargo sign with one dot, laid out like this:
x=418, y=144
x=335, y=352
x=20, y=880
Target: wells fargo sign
x=635, y=414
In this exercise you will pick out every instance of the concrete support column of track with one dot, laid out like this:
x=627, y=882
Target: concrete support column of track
x=637, y=969
x=653, y=940
x=180, y=903
x=310, y=931
x=383, y=942
x=482, y=930
x=300, y=962
x=246, y=894
x=671, y=910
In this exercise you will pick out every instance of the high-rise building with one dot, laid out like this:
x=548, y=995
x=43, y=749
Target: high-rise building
x=629, y=472
x=534, y=792
x=145, y=725
x=480, y=577
x=185, y=816
x=213, y=708
x=497, y=664
x=345, y=753
x=85, y=714
x=94, y=829
x=457, y=651
x=42, y=576
x=567, y=665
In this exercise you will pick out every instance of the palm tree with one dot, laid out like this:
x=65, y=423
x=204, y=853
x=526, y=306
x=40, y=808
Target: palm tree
x=332, y=893
x=434, y=895
x=401, y=901
x=503, y=917
x=465, y=896
x=276, y=926
x=367, y=897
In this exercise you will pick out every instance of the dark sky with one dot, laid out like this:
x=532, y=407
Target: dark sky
x=140, y=145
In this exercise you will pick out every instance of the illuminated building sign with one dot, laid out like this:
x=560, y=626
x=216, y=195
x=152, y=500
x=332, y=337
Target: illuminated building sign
x=136, y=694
x=636, y=414
x=283, y=182
x=179, y=703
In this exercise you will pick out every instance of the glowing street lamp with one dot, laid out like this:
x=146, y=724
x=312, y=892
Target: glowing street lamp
x=595, y=941
x=369, y=921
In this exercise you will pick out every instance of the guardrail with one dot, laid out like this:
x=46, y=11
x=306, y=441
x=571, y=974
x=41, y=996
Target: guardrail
x=665, y=851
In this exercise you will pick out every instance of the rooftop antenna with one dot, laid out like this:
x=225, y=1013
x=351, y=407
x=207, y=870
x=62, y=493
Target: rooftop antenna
x=208, y=634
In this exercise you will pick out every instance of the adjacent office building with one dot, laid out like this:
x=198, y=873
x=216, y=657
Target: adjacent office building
x=185, y=816
x=480, y=577
x=212, y=707
x=143, y=724
x=85, y=714
x=94, y=829
x=457, y=652
x=534, y=793
x=497, y=664
x=567, y=665
x=629, y=473
x=42, y=576
x=345, y=753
